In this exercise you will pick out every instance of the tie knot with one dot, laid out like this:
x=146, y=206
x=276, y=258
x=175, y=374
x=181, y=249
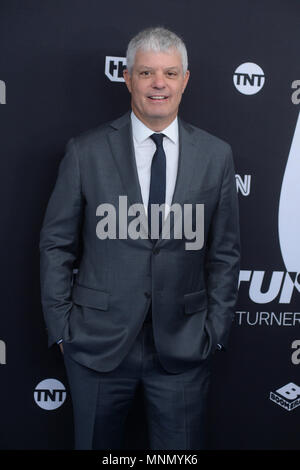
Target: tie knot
x=158, y=139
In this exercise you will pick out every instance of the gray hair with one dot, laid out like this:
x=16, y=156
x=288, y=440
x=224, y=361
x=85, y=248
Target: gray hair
x=157, y=39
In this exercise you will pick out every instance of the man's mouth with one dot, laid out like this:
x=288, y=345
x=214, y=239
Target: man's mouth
x=158, y=97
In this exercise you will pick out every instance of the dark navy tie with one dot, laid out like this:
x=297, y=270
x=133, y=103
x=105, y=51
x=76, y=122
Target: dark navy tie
x=157, y=193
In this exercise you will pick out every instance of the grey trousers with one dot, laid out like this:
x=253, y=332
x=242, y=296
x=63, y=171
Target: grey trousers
x=175, y=404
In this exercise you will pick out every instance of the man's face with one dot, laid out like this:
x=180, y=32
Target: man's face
x=156, y=85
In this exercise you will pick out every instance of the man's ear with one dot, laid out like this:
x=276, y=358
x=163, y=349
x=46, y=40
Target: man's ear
x=127, y=79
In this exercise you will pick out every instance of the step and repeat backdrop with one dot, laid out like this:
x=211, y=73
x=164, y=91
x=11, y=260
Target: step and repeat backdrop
x=61, y=69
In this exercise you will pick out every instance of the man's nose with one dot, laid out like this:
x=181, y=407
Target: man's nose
x=158, y=81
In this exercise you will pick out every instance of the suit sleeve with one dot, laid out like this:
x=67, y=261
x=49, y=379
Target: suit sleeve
x=59, y=242
x=223, y=257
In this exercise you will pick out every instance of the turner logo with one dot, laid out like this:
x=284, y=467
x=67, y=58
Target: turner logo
x=248, y=78
x=266, y=287
x=2, y=352
x=287, y=396
x=114, y=67
x=2, y=92
x=50, y=394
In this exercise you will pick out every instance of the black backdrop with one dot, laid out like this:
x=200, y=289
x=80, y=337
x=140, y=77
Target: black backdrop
x=52, y=87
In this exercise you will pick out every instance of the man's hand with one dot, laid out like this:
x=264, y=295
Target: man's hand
x=61, y=348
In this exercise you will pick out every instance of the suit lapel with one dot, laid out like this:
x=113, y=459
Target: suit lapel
x=121, y=142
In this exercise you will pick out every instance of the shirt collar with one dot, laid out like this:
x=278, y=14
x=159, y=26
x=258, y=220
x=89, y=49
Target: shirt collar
x=141, y=132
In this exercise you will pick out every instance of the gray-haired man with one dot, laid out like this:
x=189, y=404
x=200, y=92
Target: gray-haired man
x=142, y=310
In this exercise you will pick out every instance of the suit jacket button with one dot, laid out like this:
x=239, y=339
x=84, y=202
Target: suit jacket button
x=147, y=294
x=156, y=251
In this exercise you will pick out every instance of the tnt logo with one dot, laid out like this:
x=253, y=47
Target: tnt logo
x=248, y=78
x=287, y=396
x=50, y=394
x=114, y=67
x=2, y=92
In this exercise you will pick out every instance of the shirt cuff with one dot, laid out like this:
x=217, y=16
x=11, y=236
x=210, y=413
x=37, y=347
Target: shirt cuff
x=58, y=342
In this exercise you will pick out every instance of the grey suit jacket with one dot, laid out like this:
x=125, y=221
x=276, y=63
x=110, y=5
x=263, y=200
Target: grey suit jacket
x=193, y=292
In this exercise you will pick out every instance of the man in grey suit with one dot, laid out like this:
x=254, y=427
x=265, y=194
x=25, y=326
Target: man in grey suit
x=144, y=309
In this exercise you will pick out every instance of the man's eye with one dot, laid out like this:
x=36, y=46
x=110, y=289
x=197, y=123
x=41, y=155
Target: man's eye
x=172, y=74
x=145, y=72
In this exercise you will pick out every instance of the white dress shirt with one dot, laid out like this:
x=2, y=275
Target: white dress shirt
x=145, y=149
